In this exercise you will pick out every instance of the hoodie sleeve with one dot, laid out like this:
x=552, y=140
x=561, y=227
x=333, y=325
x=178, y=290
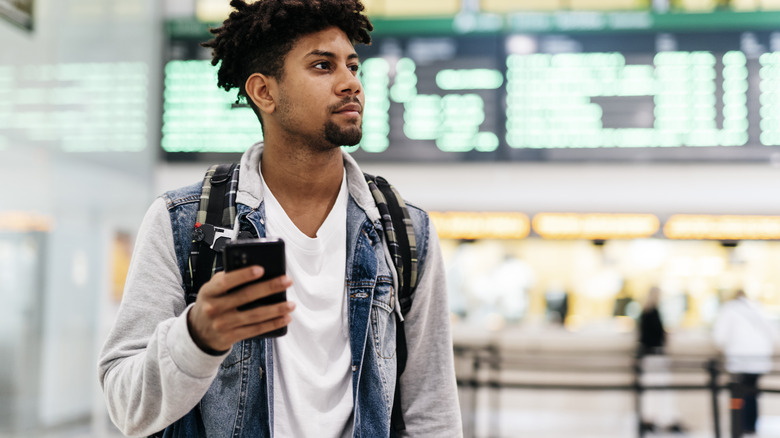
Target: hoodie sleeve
x=429, y=393
x=150, y=369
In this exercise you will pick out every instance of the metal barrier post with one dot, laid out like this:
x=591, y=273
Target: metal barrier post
x=737, y=402
x=638, y=394
x=495, y=385
x=474, y=388
x=712, y=368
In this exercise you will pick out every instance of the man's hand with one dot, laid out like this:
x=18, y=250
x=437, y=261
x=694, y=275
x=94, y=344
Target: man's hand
x=216, y=324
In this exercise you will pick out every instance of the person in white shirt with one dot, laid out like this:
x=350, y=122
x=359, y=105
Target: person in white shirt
x=747, y=339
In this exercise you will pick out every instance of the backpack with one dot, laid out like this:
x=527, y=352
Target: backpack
x=214, y=228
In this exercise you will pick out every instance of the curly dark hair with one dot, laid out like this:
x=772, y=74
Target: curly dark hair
x=257, y=37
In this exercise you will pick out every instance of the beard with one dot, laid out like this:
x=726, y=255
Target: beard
x=337, y=136
x=332, y=135
x=346, y=136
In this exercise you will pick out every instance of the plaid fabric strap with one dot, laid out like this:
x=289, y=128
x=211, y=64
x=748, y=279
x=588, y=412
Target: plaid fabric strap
x=217, y=209
x=214, y=184
x=399, y=234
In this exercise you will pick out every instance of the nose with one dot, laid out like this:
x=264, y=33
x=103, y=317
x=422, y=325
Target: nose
x=348, y=84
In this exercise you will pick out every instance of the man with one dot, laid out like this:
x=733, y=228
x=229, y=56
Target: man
x=201, y=370
x=746, y=338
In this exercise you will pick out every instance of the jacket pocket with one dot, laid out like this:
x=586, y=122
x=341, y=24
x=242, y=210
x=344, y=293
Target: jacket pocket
x=383, y=319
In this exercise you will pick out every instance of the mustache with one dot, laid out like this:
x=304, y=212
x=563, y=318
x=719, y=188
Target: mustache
x=346, y=101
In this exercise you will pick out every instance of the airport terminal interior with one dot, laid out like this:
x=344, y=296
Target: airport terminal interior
x=574, y=155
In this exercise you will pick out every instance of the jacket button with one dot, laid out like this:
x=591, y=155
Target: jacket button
x=260, y=370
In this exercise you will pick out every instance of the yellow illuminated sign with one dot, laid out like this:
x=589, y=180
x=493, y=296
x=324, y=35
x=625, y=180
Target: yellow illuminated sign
x=22, y=221
x=607, y=5
x=411, y=8
x=603, y=226
x=695, y=5
x=502, y=6
x=212, y=10
x=727, y=227
x=483, y=225
x=218, y=10
x=595, y=225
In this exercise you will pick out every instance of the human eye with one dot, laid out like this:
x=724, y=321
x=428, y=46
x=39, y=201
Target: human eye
x=322, y=65
x=354, y=68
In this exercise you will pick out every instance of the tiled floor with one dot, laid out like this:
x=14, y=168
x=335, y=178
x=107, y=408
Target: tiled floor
x=551, y=425
x=536, y=414
x=566, y=414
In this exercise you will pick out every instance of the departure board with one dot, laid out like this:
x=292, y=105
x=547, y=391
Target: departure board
x=648, y=96
x=434, y=99
x=200, y=117
x=75, y=107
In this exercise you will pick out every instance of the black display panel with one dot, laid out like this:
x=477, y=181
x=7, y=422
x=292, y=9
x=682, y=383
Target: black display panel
x=634, y=96
x=433, y=99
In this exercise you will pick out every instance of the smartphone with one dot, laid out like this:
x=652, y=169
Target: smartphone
x=265, y=252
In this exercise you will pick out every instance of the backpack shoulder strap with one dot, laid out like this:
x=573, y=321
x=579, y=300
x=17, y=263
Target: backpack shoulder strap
x=213, y=226
x=401, y=241
x=399, y=234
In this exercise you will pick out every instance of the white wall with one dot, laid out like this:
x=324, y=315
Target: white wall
x=85, y=194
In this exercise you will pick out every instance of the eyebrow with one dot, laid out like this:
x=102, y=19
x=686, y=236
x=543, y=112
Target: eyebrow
x=327, y=54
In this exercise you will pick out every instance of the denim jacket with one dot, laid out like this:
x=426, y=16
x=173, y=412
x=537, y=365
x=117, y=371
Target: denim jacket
x=238, y=401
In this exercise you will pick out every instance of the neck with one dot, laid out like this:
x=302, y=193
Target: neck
x=306, y=183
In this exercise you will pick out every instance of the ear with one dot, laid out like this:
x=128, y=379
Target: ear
x=259, y=88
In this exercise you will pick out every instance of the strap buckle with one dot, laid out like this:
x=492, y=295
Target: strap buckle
x=216, y=237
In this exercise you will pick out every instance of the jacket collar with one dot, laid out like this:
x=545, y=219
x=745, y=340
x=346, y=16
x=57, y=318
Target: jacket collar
x=250, y=186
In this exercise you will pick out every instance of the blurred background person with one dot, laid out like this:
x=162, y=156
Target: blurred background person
x=660, y=412
x=747, y=339
x=652, y=336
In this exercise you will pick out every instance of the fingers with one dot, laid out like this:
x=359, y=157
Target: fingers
x=237, y=320
x=216, y=290
x=218, y=332
x=250, y=331
x=216, y=322
x=222, y=282
x=252, y=292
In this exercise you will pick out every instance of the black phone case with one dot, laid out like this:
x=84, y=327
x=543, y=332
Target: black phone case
x=268, y=253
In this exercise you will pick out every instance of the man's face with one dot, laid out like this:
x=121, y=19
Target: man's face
x=320, y=100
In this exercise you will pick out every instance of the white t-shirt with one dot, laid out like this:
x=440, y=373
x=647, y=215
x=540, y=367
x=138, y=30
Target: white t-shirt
x=312, y=362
